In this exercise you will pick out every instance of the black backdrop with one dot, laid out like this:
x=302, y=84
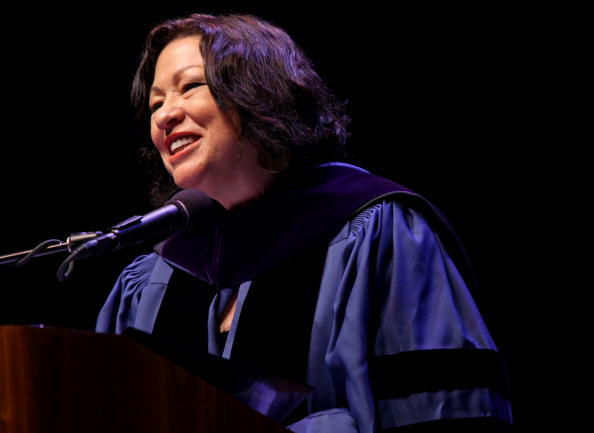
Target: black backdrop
x=444, y=101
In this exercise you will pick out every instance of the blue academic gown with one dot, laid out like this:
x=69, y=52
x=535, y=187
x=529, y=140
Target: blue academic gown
x=385, y=267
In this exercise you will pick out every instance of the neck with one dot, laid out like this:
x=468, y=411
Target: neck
x=244, y=189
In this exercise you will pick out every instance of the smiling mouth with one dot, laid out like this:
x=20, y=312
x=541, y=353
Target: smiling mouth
x=181, y=143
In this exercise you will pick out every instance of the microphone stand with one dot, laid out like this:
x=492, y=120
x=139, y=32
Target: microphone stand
x=51, y=246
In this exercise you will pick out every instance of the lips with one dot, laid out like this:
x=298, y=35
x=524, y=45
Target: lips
x=180, y=140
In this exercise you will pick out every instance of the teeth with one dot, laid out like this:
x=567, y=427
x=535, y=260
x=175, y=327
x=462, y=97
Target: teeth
x=182, y=141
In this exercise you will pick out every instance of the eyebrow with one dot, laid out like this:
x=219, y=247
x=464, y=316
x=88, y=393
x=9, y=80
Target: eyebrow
x=176, y=77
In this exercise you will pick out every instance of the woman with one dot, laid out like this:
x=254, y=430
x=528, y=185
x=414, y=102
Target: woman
x=317, y=272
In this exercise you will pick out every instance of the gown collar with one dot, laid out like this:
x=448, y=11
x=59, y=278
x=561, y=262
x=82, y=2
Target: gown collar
x=304, y=207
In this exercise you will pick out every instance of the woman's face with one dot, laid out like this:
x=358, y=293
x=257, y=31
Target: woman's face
x=199, y=144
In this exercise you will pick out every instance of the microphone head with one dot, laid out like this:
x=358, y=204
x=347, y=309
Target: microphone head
x=196, y=206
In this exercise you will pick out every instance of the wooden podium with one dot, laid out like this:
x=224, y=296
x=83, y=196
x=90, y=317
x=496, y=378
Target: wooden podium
x=62, y=381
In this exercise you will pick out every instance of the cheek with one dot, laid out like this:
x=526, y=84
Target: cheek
x=156, y=137
x=225, y=148
x=226, y=135
x=154, y=134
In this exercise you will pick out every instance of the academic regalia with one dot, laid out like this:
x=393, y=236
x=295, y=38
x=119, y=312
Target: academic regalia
x=374, y=311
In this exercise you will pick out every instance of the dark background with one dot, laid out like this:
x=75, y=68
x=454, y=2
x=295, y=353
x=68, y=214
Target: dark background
x=452, y=102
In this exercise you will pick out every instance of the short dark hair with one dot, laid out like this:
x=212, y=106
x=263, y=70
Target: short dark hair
x=255, y=70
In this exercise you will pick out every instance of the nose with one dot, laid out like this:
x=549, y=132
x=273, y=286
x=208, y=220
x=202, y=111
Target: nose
x=168, y=116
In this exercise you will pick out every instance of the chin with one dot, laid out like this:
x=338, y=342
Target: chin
x=188, y=178
x=191, y=183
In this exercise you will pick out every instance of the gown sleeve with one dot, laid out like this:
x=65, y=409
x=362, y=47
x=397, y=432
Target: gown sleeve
x=397, y=340
x=120, y=310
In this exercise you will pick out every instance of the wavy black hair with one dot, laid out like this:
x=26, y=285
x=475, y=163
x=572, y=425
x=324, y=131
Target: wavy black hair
x=256, y=71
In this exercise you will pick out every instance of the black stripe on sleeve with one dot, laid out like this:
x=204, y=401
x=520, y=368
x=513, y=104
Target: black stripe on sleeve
x=405, y=373
x=458, y=425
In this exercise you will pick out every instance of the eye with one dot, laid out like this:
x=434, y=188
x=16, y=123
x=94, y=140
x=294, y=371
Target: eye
x=192, y=85
x=154, y=107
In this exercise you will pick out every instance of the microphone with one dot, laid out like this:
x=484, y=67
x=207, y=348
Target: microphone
x=182, y=210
